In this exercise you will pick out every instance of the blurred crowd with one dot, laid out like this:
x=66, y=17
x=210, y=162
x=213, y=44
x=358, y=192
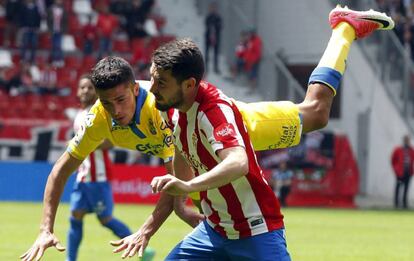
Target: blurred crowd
x=402, y=11
x=46, y=44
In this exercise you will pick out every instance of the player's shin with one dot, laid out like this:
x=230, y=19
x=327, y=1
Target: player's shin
x=332, y=64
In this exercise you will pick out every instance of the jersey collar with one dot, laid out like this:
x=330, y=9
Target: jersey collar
x=142, y=96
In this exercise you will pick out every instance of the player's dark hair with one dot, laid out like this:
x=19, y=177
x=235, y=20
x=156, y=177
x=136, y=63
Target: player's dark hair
x=182, y=57
x=110, y=72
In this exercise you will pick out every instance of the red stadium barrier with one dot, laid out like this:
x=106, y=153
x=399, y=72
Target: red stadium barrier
x=131, y=183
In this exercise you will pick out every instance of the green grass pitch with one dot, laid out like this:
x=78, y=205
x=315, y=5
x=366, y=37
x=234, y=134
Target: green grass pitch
x=312, y=234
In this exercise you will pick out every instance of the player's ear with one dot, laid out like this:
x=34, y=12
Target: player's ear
x=190, y=83
x=135, y=88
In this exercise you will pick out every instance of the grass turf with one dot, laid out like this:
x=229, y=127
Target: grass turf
x=312, y=234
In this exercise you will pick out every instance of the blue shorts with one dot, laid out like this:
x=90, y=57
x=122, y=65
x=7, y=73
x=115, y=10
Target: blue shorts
x=204, y=243
x=92, y=197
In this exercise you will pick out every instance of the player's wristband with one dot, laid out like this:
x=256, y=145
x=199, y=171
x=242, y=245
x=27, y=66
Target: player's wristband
x=327, y=76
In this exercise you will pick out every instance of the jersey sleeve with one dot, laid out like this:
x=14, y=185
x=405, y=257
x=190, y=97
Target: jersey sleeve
x=219, y=126
x=89, y=136
x=272, y=125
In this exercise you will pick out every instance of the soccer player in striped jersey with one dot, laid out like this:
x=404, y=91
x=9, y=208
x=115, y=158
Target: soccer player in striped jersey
x=243, y=218
x=92, y=192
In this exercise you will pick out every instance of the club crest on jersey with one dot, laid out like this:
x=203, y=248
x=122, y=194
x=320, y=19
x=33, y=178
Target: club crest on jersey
x=224, y=132
x=152, y=127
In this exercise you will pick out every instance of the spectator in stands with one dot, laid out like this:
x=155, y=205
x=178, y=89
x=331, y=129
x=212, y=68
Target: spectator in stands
x=213, y=24
x=141, y=59
x=252, y=57
x=21, y=82
x=136, y=16
x=47, y=83
x=89, y=36
x=12, y=21
x=118, y=7
x=30, y=24
x=402, y=161
x=57, y=24
x=240, y=52
x=281, y=182
x=106, y=26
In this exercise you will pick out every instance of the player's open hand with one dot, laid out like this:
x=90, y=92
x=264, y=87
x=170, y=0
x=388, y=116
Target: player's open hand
x=43, y=241
x=170, y=184
x=132, y=244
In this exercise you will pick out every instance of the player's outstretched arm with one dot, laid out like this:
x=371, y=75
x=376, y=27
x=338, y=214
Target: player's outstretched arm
x=56, y=181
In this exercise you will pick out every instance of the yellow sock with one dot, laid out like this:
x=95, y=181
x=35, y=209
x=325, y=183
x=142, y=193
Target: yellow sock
x=331, y=67
x=338, y=47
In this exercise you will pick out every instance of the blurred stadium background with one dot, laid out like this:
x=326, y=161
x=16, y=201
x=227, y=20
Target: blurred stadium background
x=347, y=165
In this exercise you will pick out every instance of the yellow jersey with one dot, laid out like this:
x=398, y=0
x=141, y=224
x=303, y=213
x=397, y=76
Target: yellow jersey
x=147, y=133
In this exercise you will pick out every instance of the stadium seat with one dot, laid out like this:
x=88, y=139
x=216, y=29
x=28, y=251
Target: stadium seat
x=2, y=22
x=121, y=46
x=68, y=43
x=45, y=41
x=6, y=58
x=79, y=41
x=88, y=63
x=73, y=62
x=82, y=7
x=74, y=27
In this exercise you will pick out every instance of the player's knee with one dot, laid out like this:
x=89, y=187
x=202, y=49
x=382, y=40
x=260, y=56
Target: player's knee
x=104, y=220
x=78, y=215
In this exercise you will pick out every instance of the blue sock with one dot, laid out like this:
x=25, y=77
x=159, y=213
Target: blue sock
x=119, y=228
x=74, y=238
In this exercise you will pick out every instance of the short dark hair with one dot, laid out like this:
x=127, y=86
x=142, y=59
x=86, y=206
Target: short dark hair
x=182, y=57
x=110, y=72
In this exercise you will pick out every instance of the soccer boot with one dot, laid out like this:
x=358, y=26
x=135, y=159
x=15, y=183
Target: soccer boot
x=363, y=22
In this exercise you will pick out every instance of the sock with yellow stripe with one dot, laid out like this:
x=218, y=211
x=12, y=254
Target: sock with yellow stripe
x=331, y=67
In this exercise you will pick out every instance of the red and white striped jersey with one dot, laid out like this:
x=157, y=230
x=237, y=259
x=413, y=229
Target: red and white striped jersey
x=246, y=206
x=97, y=166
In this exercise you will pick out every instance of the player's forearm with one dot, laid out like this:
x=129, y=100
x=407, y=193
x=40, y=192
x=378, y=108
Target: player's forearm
x=234, y=166
x=54, y=188
x=53, y=192
x=161, y=212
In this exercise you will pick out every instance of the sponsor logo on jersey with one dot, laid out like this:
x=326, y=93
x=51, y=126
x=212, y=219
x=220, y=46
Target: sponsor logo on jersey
x=155, y=149
x=224, y=132
x=168, y=140
x=194, y=162
x=152, y=127
x=194, y=139
x=287, y=137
